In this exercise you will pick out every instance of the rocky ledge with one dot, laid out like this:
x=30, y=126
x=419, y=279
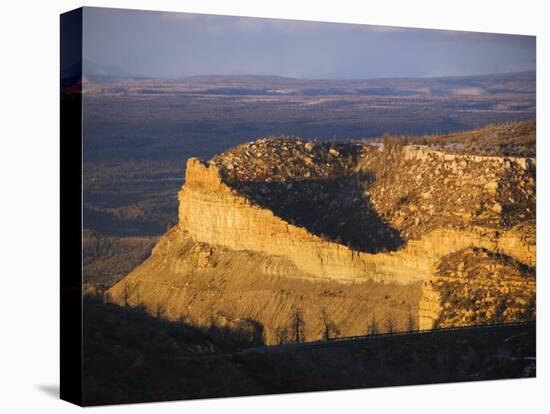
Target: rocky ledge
x=353, y=212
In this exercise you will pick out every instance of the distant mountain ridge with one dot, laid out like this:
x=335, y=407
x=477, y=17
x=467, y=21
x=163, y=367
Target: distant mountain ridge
x=98, y=73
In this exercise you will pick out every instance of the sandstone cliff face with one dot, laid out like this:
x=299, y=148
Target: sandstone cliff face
x=429, y=307
x=238, y=253
x=212, y=212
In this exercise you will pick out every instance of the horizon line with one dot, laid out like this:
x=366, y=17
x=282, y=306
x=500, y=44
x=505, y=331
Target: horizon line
x=130, y=77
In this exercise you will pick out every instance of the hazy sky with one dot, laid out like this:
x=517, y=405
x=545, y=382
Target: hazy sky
x=160, y=44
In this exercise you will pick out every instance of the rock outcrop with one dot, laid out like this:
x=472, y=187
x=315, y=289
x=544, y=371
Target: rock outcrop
x=476, y=286
x=213, y=212
x=396, y=216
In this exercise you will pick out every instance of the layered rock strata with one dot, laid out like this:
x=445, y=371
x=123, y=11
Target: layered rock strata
x=212, y=212
x=231, y=236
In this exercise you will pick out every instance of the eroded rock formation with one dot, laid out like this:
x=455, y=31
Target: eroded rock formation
x=476, y=286
x=294, y=213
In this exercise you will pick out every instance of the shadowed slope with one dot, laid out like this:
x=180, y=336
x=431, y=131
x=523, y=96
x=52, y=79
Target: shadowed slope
x=311, y=185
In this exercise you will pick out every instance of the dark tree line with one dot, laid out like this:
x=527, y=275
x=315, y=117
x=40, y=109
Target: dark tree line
x=294, y=332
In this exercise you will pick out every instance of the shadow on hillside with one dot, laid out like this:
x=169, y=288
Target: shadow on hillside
x=337, y=210
x=250, y=334
x=130, y=355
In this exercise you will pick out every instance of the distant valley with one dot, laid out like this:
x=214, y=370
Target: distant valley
x=202, y=116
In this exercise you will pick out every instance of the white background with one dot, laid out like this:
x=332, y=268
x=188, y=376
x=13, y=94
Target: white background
x=29, y=215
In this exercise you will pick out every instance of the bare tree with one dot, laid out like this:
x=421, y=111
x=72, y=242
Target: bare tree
x=126, y=296
x=330, y=330
x=390, y=323
x=411, y=323
x=298, y=325
x=373, y=326
x=159, y=311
